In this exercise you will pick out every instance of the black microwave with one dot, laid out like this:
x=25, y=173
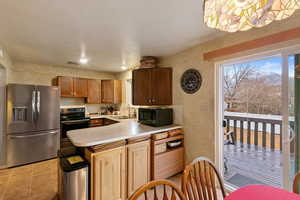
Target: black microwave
x=156, y=116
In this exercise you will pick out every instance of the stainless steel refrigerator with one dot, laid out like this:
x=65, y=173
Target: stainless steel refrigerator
x=33, y=123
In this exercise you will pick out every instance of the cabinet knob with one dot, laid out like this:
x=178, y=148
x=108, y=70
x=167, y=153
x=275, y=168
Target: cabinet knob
x=149, y=100
x=153, y=100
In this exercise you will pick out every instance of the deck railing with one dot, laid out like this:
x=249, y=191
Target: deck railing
x=257, y=131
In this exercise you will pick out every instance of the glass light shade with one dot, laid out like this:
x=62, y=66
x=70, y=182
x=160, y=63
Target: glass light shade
x=242, y=15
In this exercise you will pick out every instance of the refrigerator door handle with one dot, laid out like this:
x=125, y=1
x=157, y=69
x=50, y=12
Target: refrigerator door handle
x=38, y=103
x=35, y=135
x=33, y=104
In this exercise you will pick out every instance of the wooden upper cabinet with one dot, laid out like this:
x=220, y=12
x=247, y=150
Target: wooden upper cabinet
x=141, y=87
x=80, y=87
x=66, y=85
x=161, y=80
x=71, y=87
x=108, y=92
x=111, y=91
x=117, y=91
x=152, y=86
x=93, y=92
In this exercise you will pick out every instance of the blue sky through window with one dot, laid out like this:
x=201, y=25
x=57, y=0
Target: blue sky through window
x=269, y=65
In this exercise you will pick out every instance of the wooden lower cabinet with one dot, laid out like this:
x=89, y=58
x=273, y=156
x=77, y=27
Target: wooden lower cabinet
x=167, y=161
x=165, y=165
x=116, y=173
x=108, y=174
x=138, y=158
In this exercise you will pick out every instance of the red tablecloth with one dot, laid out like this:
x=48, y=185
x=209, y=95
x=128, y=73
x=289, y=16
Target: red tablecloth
x=261, y=192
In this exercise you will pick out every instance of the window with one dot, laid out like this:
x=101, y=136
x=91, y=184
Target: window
x=129, y=92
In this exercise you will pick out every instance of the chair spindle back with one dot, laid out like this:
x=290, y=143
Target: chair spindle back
x=162, y=190
x=201, y=181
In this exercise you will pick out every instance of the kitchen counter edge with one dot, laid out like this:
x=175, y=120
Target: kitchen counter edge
x=105, y=141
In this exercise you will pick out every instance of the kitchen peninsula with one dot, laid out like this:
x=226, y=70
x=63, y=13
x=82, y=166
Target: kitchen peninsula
x=125, y=155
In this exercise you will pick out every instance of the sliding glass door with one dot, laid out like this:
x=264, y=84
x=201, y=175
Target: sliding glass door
x=293, y=139
x=259, y=104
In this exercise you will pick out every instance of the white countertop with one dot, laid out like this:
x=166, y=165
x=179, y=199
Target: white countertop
x=98, y=116
x=125, y=129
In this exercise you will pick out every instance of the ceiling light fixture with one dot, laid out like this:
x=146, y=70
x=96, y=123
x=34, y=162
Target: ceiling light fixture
x=83, y=60
x=242, y=15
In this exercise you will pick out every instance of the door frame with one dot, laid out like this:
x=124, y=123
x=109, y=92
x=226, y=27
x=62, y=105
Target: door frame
x=3, y=118
x=219, y=105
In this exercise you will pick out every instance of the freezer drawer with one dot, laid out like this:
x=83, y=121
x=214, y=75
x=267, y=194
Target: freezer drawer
x=31, y=147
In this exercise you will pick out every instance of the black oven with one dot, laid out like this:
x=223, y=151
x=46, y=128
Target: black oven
x=71, y=119
x=156, y=116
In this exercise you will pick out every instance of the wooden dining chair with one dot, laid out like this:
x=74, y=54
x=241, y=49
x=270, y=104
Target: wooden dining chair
x=202, y=181
x=158, y=189
x=296, y=183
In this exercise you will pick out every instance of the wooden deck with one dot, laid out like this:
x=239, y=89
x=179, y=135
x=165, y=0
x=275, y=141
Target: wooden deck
x=250, y=164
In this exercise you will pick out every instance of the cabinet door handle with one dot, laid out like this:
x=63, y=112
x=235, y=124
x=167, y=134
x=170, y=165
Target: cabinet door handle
x=153, y=100
x=149, y=100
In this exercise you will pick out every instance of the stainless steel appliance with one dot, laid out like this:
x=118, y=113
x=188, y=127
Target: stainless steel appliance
x=33, y=127
x=73, y=177
x=2, y=116
x=72, y=118
x=156, y=116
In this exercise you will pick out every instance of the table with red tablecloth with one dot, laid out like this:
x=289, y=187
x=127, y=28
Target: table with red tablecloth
x=261, y=192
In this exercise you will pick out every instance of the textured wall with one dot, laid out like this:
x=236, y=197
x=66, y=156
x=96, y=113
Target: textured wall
x=28, y=73
x=124, y=76
x=198, y=109
x=37, y=74
x=2, y=114
x=5, y=66
x=6, y=62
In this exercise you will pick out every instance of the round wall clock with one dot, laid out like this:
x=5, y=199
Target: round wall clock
x=191, y=81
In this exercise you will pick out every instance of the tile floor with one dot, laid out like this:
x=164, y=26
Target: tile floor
x=36, y=181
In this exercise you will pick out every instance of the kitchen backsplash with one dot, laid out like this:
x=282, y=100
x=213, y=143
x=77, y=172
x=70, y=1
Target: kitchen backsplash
x=90, y=108
x=71, y=101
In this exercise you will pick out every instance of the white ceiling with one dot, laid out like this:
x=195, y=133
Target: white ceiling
x=111, y=33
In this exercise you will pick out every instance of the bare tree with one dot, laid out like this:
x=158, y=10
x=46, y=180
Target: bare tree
x=249, y=90
x=259, y=96
x=233, y=79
